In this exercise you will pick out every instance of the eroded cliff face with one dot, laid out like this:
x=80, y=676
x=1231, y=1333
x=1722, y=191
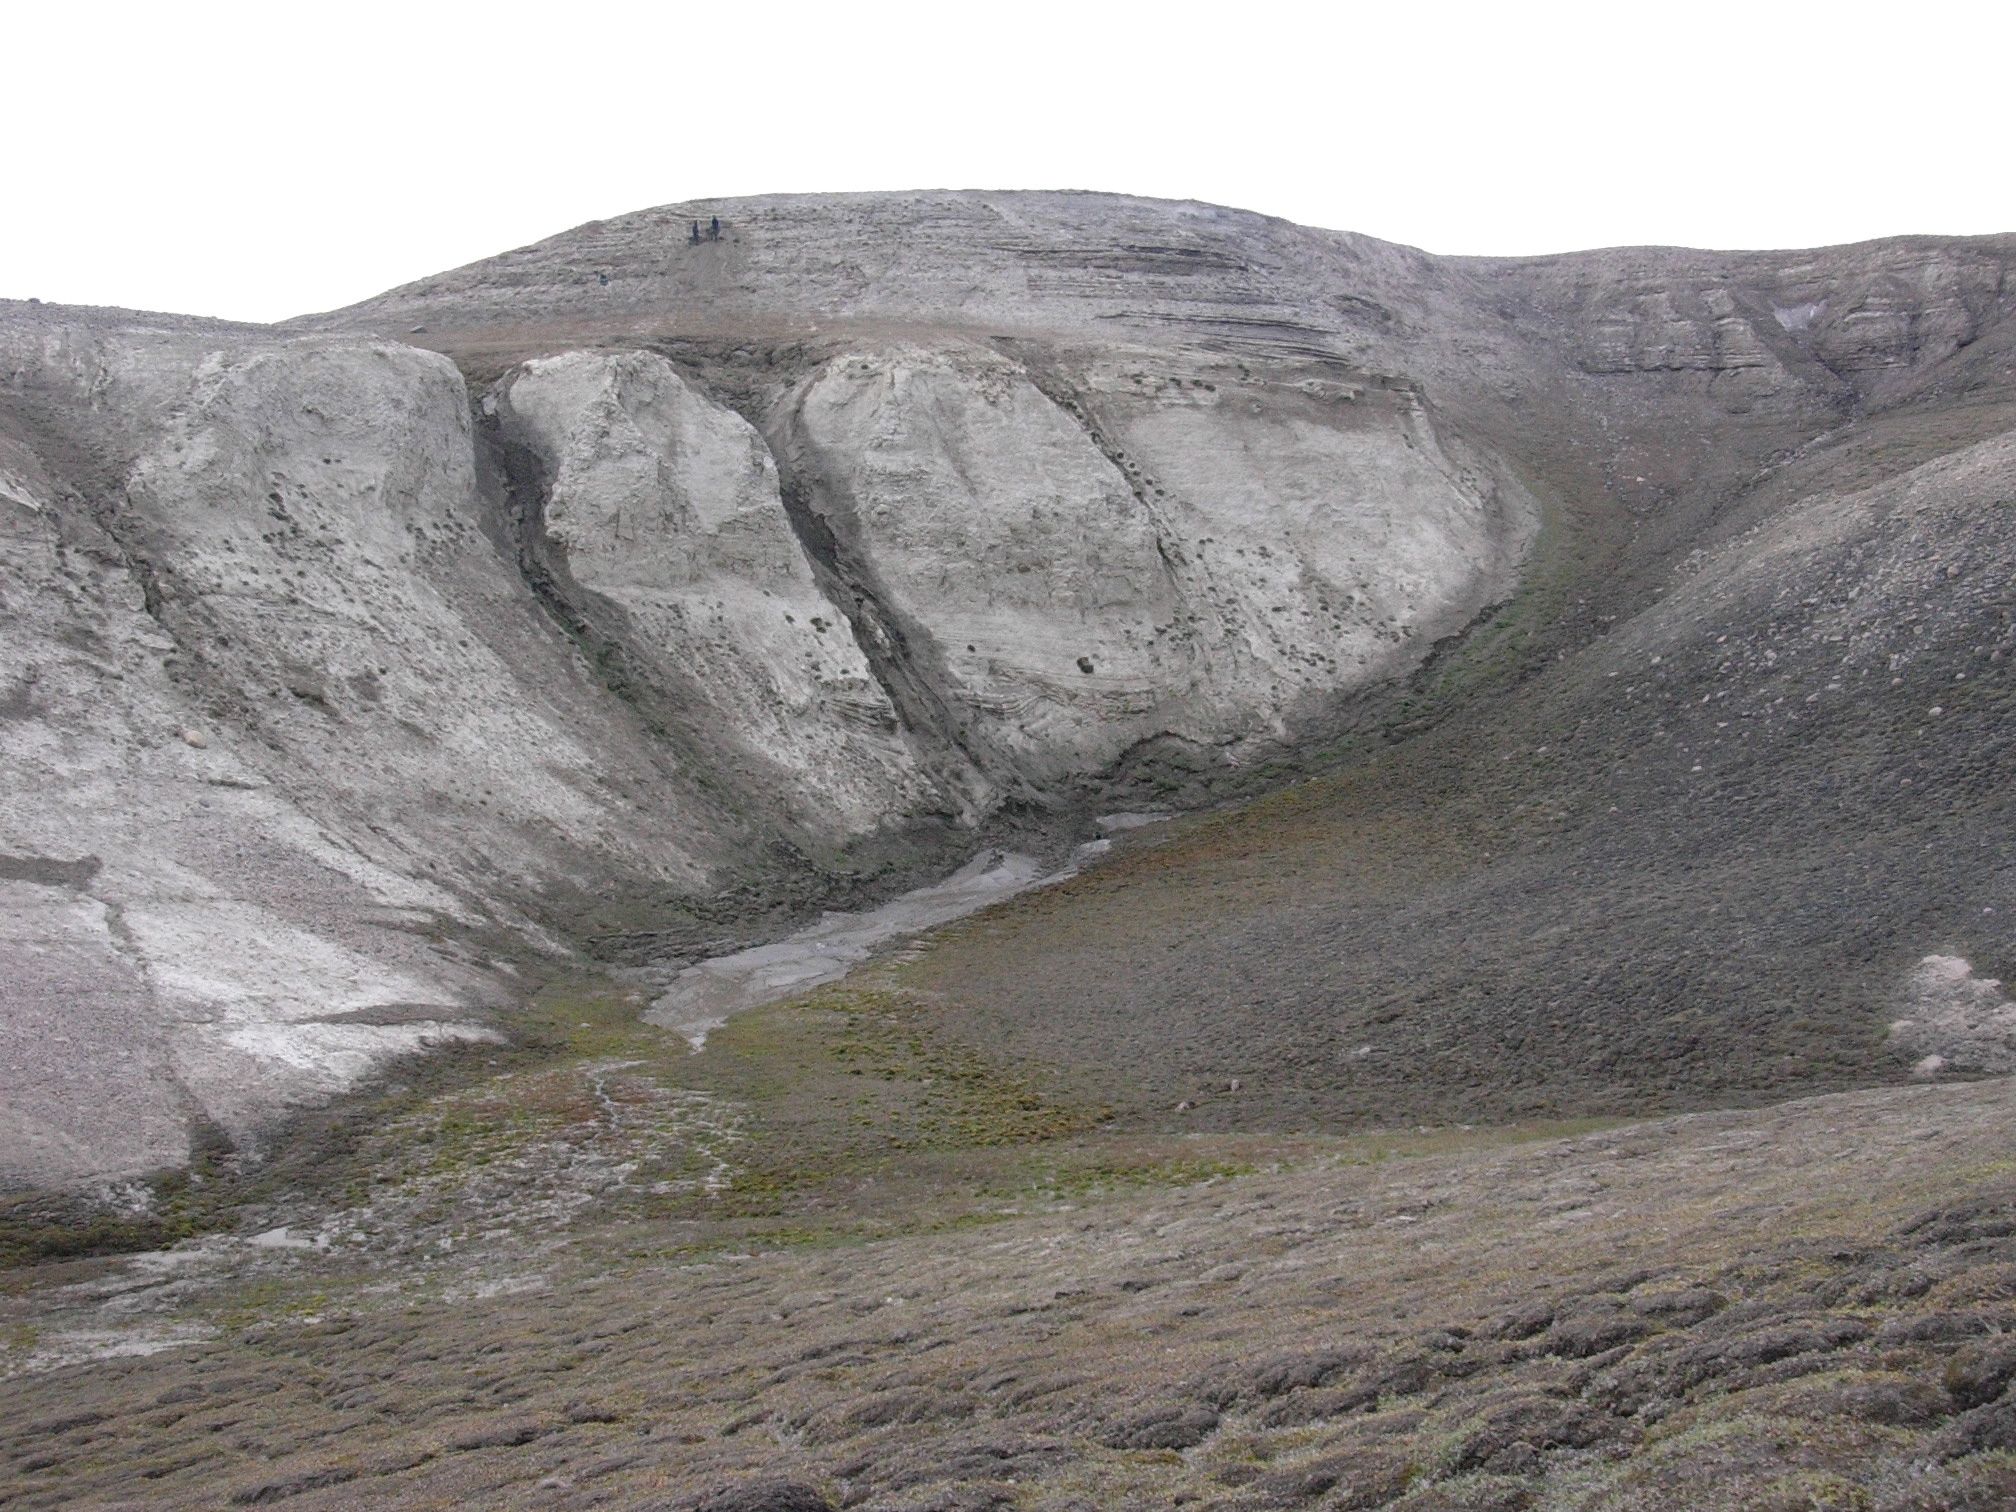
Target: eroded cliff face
x=683, y=585
x=992, y=578
x=1702, y=370
x=1026, y=576
x=180, y=928
x=662, y=514
x=1864, y=316
x=297, y=773
x=1150, y=546
x=312, y=740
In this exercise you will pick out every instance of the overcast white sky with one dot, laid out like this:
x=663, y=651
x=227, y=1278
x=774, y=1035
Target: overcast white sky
x=269, y=160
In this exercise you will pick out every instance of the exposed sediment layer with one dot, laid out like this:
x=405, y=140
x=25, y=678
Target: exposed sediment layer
x=684, y=582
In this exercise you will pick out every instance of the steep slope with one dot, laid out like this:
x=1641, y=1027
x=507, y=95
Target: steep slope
x=711, y=578
x=289, y=751
x=662, y=516
x=1699, y=860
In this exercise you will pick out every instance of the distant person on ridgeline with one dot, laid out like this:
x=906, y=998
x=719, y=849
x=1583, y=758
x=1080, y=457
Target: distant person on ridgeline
x=714, y=229
x=696, y=233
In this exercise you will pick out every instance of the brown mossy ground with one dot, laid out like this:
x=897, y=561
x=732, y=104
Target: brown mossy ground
x=1806, y=1302
x=860, y=1244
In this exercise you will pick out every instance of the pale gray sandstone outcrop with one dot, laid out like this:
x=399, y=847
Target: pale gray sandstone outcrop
x=623, y=585
x=283, y=736
x=664, y=506
x=1165, y=552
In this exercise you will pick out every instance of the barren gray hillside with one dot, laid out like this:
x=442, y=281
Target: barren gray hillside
x=1515, y=693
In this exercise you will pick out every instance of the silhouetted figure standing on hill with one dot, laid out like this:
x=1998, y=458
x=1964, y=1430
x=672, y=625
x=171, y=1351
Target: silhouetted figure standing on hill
x=714, y=229
x=696, y=233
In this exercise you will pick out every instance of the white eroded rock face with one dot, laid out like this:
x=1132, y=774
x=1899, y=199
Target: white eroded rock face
x=1045, y=570
x=665, y=506
x=295, y=717
x=1173, y=554
x=987, y=519
x=277, y=730
x=314, y=515
x=180, y=941
x=1325, y=529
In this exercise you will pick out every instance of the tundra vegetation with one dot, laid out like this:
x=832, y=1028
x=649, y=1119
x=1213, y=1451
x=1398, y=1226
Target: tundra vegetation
x=1534, y=1040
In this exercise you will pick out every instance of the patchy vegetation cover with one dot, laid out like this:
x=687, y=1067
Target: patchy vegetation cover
x=1516, y=1042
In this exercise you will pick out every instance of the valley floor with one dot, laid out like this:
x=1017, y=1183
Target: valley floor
x=837, y=1257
